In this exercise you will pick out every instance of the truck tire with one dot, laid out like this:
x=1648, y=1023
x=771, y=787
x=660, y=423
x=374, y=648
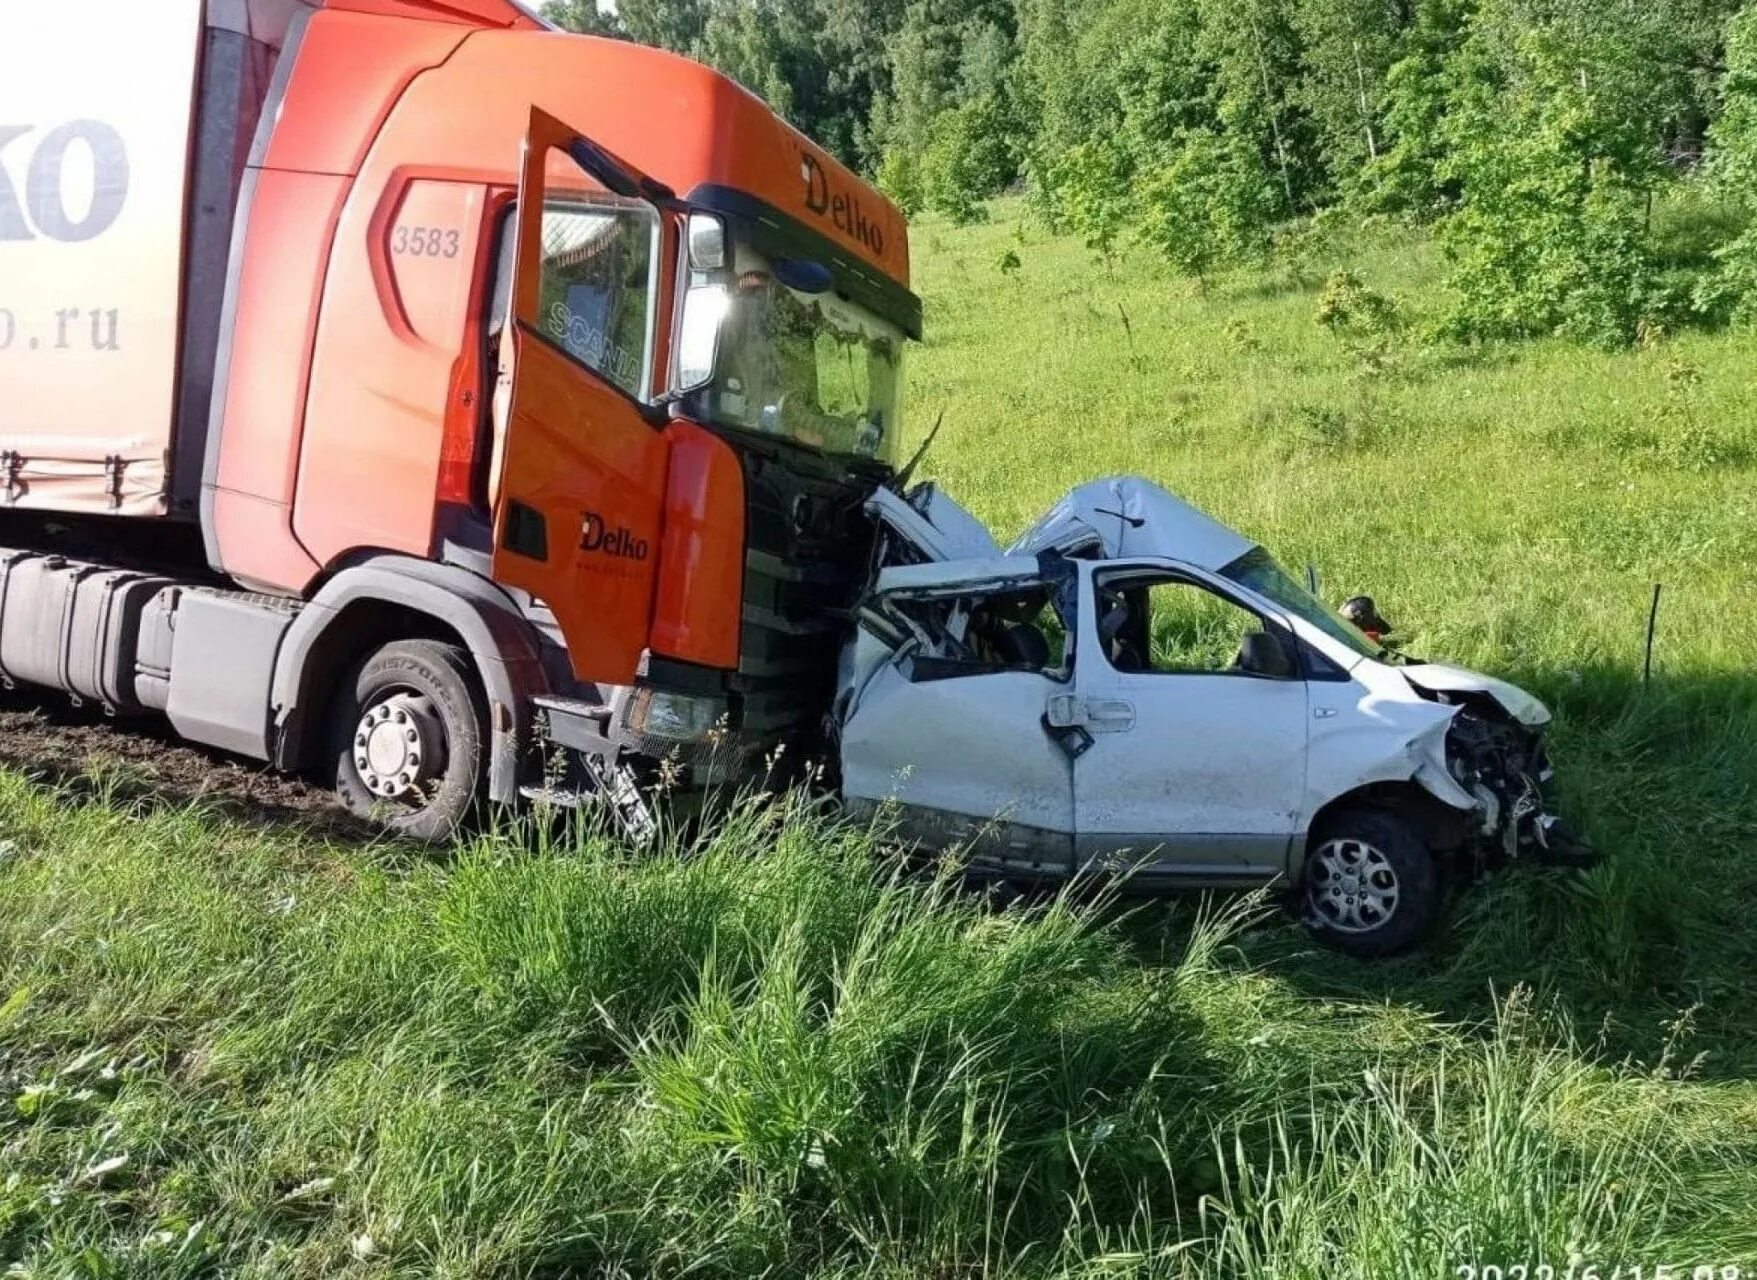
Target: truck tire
x=1371, y=885
x=410, y=740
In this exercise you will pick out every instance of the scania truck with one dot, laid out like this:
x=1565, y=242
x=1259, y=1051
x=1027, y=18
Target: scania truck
x=405, y=391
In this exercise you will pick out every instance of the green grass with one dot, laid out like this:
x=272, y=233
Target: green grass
x=231, y=1050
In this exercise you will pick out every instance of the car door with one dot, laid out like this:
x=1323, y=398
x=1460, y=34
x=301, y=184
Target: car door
x=1195, y=768
x=581, y=470
x=949, y=741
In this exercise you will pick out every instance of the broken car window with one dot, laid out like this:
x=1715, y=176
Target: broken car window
x=1016, y=630
x=1020, y=632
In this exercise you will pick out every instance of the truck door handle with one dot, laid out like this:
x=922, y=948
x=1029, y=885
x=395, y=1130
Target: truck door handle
x=526, y=531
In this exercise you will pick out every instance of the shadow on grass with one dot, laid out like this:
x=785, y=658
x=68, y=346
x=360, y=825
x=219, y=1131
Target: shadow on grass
x=1648, y=957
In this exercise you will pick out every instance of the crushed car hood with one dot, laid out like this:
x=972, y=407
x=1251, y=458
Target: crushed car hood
x=1438, y=677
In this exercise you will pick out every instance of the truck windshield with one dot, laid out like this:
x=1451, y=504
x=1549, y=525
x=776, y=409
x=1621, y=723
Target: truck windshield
x=810, y=367
x=1257, y=571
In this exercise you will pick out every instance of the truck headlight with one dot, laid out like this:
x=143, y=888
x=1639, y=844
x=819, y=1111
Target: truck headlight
x=682, y=717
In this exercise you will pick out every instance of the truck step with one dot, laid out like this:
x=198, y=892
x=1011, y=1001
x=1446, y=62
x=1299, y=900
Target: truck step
x=572, y=707
x=611, y=786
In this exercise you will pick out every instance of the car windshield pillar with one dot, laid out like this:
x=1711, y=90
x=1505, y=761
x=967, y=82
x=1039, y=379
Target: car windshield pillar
x=1258, y=571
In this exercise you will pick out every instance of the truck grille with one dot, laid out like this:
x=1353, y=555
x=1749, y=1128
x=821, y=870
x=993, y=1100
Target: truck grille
x=808, y=550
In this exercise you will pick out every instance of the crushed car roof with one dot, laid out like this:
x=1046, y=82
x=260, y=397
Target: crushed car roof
x=1127, y=517
x=1124, y=517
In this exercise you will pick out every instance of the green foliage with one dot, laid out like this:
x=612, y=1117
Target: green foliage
x=670, y=24
x=1687, y=438
x=1554, y=140
x=1348, y=307
x=1538, y=132
x=1734, y=135
x=583, y=16
x=899, y=177
x=1087, y=192
x=1240, y=337
x=948, y=130
x=1406, y=175
x=1733, y=165
x=1734, y=288
x=821, y=63
x=1207, y=206
x=1348, y=47
x=1253, y=53
x=967, y=158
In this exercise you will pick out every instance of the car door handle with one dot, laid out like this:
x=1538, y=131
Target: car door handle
x=1064, y=711
x=1110, y=715
x=1102, y=715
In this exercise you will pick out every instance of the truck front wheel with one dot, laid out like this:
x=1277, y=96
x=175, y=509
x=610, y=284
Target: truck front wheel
x=409, y=739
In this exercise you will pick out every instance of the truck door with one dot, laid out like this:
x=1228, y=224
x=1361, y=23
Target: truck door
x=580, y=490
x=1196, y=763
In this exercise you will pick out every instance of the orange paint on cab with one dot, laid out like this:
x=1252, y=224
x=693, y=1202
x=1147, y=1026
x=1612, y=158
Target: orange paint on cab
x=697, y=613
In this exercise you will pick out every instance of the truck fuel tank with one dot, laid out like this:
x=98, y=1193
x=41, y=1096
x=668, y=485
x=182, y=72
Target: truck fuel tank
x=74, y=626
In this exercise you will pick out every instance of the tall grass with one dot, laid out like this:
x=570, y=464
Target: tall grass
x=770, y=1052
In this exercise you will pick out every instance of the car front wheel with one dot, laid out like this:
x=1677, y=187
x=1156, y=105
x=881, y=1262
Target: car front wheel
x=1371, y=885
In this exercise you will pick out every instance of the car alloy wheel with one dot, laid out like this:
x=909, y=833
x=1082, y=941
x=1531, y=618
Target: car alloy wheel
x=1351, y=886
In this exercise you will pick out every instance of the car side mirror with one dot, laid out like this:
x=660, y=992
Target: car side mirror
x=1261, y=654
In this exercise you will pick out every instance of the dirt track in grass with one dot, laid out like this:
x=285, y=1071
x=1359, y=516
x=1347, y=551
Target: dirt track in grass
x=44, y=736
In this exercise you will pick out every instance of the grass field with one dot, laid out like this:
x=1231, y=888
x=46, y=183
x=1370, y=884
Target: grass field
x=228, y=1048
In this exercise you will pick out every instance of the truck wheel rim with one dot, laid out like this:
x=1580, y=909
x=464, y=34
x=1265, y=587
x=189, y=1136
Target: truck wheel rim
x=399, y=747
x=1351, y=886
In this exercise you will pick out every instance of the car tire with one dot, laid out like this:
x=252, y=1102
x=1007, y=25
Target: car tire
x=409, y=739
x=1371, y=886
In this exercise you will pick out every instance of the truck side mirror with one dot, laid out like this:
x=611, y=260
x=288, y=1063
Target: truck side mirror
x=698, y=339
x=1261, y=654
x=706, y=236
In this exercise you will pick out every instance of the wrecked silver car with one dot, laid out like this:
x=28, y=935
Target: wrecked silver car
x=1133, y=688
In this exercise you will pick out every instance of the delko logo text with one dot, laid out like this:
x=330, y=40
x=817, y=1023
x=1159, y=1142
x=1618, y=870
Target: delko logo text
x=595, y=535
x=44, y=210
x=841, y=208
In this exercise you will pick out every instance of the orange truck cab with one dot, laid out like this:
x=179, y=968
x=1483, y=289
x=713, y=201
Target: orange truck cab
x=407, y=390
